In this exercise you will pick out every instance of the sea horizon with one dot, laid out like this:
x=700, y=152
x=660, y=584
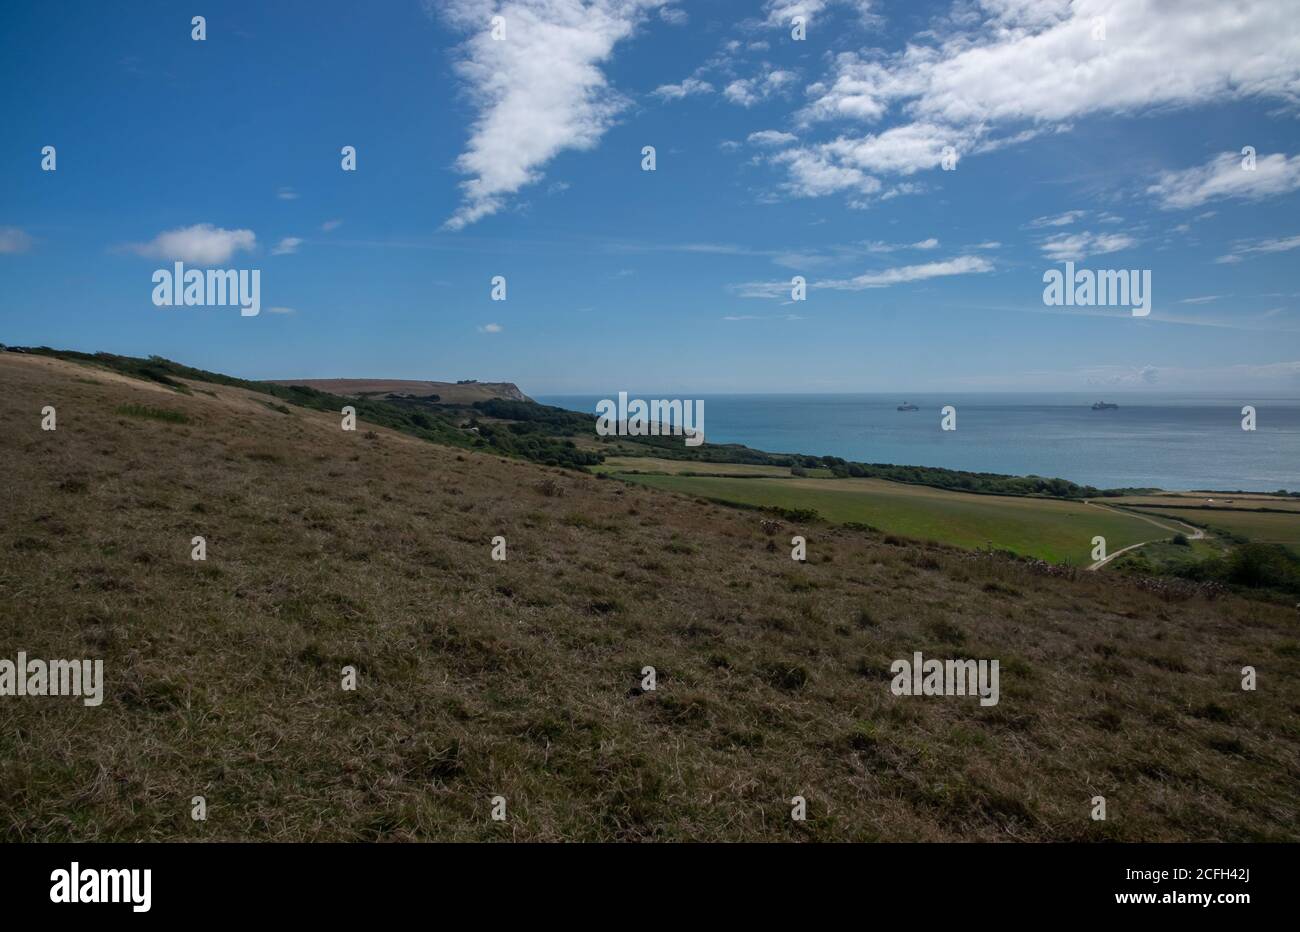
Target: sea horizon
x=1176, y=441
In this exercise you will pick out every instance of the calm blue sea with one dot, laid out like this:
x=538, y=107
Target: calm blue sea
x=1169, y=442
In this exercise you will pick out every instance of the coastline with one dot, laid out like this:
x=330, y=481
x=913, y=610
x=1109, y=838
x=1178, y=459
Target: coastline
x=1174, y=443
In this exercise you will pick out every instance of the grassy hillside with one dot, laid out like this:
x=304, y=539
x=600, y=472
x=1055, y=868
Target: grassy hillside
x=521, y=679
x=1044, y=528
x=424, y=417
x=463, y=393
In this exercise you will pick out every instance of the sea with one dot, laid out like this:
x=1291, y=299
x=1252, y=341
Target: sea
x=1173, y=442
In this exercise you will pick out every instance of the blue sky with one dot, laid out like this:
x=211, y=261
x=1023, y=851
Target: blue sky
x=522, y=157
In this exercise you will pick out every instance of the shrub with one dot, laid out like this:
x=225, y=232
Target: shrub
x=1263, y=566
x=550, y=488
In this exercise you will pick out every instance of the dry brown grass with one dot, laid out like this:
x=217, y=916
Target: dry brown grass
x=478, y=678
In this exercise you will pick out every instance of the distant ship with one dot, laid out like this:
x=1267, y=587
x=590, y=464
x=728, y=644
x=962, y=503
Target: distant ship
x=1104, y=406
x=905, y=406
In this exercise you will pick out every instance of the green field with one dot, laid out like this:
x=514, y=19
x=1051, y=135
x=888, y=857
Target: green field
x=1050, y=529
x=1260, y=526
x=1203, y=502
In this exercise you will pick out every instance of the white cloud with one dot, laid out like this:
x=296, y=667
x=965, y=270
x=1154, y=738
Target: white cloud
x=902, y=150
x=539, y=92
x=674, y=16
x=1028, y=67
x=331, y=225
x=1079, y=246
x=771, y=137
x=287, y=246
x=1155, y=52
x=962, y=265
x=781, y=12
x=201, y=244
x=13, y=240
x=491, y=328
x=750, y=91
x=282, y=310
x=685, y=89
x=812, y=174
x=1223, y=177
x=1204, y=299
x=287, y=194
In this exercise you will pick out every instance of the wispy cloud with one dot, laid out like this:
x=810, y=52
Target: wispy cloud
x=749, y=91
x=491, y=328
x=1225, y=177
x=1257, y=247
x=1057, y=220
x=877, y=246
x=1079, y=246
x=961, y=265
x=287, y=246
x=1121, y=376
x=14, y=240
x=793, y=258
x=780, y=13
